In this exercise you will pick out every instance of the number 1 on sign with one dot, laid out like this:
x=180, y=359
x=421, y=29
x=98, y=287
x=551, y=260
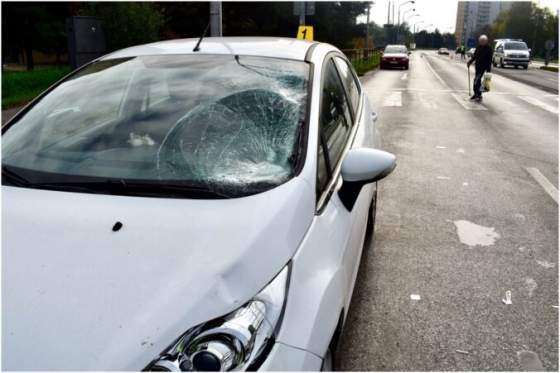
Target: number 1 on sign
x=305, y=32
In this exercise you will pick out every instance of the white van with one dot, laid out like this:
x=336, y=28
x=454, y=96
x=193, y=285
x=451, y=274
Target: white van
x=513, y=52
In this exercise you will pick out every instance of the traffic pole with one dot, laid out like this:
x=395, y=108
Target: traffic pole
x=469, y=78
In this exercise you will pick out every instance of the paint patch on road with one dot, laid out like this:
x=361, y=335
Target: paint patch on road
x=460, y=150
x=531, y=286
x=545, y=264
x=507, y=299
x=472, y=234
x=405, y=76
x=441, y=147
x=443, y=178
x=414, y=296
x=394, y=99
x=529, y=361
x=465, y=183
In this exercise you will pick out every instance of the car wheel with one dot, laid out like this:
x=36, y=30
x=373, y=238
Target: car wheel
x=525, y=67
x=406, y=67
x=328, y=362
x=494, y=63
x=502, y=64
x=370, y=227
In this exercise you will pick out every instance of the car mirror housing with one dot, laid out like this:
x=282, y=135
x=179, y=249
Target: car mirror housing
x=363, y=166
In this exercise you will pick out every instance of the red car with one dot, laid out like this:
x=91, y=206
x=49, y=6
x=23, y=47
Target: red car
x=395, y=56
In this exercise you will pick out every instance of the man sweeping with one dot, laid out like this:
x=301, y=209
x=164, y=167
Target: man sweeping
x=482, y=58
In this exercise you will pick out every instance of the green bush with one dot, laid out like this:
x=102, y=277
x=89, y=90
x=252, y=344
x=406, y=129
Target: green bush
x=20, y=87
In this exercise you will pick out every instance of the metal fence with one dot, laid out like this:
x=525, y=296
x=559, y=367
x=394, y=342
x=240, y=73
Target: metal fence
x=362, y=55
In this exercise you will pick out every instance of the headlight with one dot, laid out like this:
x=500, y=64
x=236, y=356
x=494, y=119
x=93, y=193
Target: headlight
x=236, y=341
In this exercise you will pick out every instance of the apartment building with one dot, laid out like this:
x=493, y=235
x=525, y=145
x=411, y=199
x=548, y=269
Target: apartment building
x=474, y=15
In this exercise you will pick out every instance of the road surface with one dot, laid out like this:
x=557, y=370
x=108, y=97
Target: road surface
x=469, y=214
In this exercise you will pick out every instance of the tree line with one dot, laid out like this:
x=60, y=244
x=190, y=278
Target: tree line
x=527, y=21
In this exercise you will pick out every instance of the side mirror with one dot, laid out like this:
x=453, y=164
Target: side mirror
x=363, y=166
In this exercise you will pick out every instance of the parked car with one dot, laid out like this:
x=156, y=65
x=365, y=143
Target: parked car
x=512, y=52
x=395, y=56
x=172, y=209
x=443, y=51
x=470, y=52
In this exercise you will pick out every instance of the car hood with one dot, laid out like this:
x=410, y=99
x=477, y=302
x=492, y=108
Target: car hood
x=400, y=55
x=78, y=296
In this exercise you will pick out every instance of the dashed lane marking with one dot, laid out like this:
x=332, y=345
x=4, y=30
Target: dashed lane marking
x=394, y=99
x=405, y=76
x=544, y=183
x=540, y=104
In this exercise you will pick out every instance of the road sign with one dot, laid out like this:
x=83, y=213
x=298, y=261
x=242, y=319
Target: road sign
x=305, y=32
x=308, y=8
x=549, y=45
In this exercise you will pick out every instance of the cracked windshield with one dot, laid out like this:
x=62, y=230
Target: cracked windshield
x=166, y=119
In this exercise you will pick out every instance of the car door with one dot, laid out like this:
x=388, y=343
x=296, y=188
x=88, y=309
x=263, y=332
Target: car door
x=341, y=128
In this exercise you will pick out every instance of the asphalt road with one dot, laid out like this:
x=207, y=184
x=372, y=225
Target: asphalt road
x=463, y=219
x=545, y=80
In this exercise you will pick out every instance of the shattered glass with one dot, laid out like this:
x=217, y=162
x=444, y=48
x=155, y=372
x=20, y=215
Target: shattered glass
x=230, y=124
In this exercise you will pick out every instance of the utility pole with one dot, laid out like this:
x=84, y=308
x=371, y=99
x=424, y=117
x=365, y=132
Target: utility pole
x=302, y=13
x=389, y=12
x=215, y=18
x=367, y=28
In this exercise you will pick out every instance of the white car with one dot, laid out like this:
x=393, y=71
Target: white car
x=168, y=208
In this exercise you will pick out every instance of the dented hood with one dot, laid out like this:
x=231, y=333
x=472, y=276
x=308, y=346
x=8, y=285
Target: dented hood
x=78, y=296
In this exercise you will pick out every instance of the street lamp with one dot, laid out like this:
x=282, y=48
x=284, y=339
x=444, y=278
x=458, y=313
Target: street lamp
x=400, y=6
x=417, y=23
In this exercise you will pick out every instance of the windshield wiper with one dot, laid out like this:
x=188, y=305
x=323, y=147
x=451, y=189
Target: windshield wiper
x=14, y=178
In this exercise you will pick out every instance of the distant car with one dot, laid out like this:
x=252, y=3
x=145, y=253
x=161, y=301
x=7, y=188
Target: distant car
x=173, y=210
x=512, y=52
x=470, y=52
x=395, y=56
x=443, y=51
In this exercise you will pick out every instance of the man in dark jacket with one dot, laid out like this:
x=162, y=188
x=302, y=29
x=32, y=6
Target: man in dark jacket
x=482, y=58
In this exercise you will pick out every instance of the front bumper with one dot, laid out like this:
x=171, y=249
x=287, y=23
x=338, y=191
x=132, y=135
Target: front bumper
x=286, y=358
x=516, y=61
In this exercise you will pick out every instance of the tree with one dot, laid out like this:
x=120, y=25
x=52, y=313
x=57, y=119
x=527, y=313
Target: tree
x=126, y=23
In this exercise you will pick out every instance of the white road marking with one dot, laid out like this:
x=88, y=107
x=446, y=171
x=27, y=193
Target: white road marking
x=507, y=300
x=394, y=99
x=544, y=183
x=465, y=184
x=405, y=76
x=443, y=178
x=468, y=105
x=443, y=83
x=414, y=296
x=460, y=150
x=441, y=147
x=539, y=103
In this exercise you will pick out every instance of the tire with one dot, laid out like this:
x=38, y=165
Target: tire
x=494, y=63
x=370, y=227
x=525, y=67
x=328, y=362
x=502, y=64
x=406, y=67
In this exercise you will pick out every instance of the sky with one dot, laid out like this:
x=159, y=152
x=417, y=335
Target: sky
x=440, y=13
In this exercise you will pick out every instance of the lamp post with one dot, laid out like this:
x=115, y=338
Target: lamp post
x=404, y=14
x=400, y=6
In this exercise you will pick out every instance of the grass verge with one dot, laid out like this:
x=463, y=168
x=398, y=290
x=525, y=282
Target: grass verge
x=363, y=66
x=20, y=87
x=549, y=68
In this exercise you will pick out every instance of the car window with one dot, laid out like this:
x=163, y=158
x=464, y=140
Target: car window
x=350, y=83
x=335, y=120
x=516, y=46
x=395, y=49
x=224, y=124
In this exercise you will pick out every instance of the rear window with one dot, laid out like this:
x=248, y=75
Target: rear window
x=395, y=49
x=228, y=125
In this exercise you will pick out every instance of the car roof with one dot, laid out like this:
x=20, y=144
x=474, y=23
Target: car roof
x=248, y=46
